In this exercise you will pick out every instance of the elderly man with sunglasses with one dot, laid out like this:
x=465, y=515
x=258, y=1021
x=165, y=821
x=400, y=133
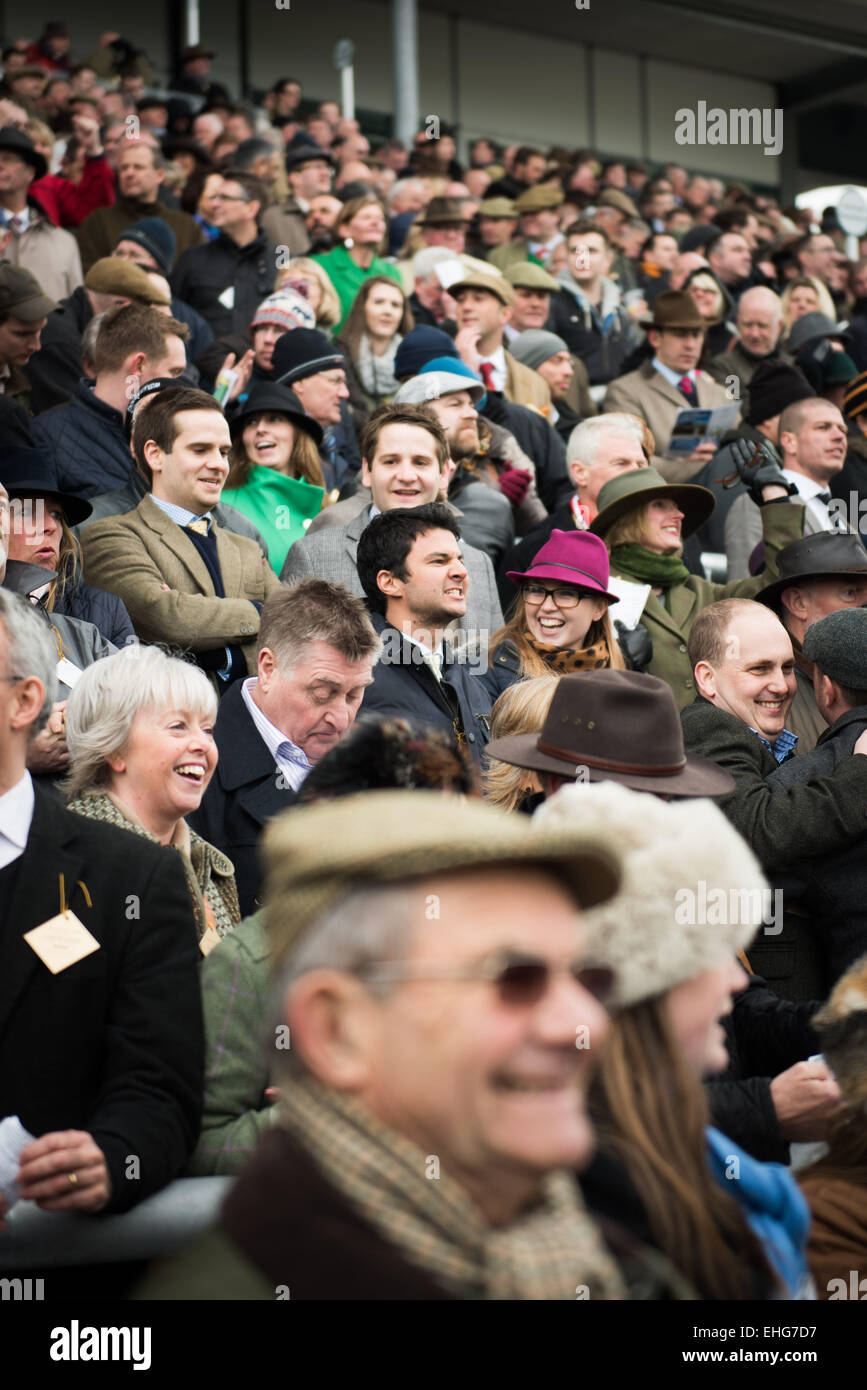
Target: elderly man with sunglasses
x=432, y=1035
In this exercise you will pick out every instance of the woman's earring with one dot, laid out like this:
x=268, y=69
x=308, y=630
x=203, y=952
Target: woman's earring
x=348, y=243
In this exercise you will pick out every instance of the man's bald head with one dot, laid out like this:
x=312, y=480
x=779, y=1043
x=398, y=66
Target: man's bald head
x=759, y=320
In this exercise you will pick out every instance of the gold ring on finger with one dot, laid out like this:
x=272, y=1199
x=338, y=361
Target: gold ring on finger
x=73, y=1178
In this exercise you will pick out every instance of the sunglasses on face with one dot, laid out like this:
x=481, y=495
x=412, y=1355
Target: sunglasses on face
x=518, y=978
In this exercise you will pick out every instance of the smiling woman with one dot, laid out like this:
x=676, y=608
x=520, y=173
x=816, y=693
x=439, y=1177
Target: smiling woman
x=140, y=732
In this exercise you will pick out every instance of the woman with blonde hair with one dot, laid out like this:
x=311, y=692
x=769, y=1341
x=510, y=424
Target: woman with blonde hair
x=805, y=295
x=733, y=1227
x=560, y=621
x=41, y=536
x=715, y=305
x=307, y=277
x=521, y=709
x=378, y=321
x=140, y=733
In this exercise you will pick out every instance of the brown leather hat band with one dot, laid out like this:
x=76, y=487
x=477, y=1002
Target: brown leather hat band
x=608, y=764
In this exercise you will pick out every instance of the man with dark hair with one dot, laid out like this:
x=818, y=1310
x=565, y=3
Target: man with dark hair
x=316, y=652
x=24, y=311
x=410, y=567
x=86, y=438
x=29, y=238
x=140, y=171
x=226, y=279
x=730, y=259
x=406, y=464
x=185, y=580
x=587, y=311
x=528, y=167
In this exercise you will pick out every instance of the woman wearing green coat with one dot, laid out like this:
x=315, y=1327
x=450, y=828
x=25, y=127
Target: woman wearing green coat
x=644, y=521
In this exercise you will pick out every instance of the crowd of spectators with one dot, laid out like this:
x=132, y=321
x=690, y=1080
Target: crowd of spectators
x=432, y=765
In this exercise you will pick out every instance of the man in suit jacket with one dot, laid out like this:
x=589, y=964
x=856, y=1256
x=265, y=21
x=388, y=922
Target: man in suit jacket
x=670, y=381
x=101, y=1043
x=406, y=464
x=409, y=562
x=316, y=653
x=484, y=306
x=185, y=581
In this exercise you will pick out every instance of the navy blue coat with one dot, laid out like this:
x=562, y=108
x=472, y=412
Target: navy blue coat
x=87, y=444
x=403, y=685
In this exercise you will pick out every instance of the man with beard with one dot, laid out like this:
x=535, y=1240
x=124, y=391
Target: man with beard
x=321, y=222
x=813, y=447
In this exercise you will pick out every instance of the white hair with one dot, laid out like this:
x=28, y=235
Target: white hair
x=31, y=651
x=400, y=187
x=585, y=439
x=112, y=692
x=424, y=262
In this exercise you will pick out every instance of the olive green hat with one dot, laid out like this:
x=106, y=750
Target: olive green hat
x=527, y=275
x=538, y=197
x=497, y=207
x=632, y=490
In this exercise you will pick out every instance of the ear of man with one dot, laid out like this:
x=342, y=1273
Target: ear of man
x=705, y=679
x=332, y=1022
x=27, y=702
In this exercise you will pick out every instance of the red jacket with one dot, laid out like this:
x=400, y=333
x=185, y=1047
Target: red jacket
x=66, y=203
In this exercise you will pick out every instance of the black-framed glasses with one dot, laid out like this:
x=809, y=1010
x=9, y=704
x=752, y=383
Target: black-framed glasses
x=519, y=978
x=536, y=594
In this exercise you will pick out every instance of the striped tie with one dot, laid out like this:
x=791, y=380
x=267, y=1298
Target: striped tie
x=201, y=525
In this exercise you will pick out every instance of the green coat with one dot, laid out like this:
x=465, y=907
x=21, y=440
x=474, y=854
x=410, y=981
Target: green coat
x=234, y=997
x=278, y=506
x=670, y=628
x=347, y=278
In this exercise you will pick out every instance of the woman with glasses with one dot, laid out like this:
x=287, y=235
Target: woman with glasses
x=734, y=1228
x=560, y=622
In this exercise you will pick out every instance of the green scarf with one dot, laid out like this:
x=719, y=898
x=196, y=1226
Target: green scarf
x=660, y=571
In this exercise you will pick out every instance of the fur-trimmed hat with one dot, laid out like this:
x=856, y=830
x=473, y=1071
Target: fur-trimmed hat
x=692, y=893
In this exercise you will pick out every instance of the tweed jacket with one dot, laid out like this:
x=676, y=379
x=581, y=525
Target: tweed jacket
x=49, y=253
x=284, y=225
x=136, y=554
x=236, y=1113
x=332, y=554
x=112, y=1044
x=669, y=627
x=210, y=875
x=646, y=393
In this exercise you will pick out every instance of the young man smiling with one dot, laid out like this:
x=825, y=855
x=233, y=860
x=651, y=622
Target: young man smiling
x=412, y=571
x=185, y=580
x=406, y=464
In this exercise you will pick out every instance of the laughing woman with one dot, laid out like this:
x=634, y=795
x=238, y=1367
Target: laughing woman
x=561, y=621
x=140, y=732
x=275, y=473
x=377, y=324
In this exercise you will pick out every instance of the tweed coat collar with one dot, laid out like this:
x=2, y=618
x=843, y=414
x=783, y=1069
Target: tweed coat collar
x=182, y=547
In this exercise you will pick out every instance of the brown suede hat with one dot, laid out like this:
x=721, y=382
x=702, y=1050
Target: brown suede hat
x=675, y=309
x=621, y=726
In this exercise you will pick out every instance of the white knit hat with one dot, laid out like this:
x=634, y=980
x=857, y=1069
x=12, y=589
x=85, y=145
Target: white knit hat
x=692, y=893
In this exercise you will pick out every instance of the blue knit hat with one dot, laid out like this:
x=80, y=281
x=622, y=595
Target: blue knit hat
x=154, y=236
x=418, y=347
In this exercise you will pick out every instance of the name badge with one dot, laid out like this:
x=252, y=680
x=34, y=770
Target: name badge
x=68, y=674
x=61, y=941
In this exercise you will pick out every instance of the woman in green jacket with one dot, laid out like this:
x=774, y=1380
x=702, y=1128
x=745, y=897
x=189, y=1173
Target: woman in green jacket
x=362, y=228
x=644, y=521
x=275, y=474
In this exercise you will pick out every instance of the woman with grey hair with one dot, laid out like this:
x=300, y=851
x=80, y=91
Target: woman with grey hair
x=140, y=732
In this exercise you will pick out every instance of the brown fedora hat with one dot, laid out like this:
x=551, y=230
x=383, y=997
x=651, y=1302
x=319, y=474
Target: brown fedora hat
x=618, y=726
x=441, y=212
x=675, y=309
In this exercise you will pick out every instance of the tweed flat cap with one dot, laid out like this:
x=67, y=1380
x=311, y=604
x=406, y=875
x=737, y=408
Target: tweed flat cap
x=112, y=275
x=614, y=198
x=494, y=284
x=837, y=644
x=526, y=275
x=497, y=207
x=316, y=855
x=538, y=197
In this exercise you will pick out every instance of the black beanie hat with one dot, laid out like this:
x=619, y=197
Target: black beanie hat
x=303, y=352
x=773, y=386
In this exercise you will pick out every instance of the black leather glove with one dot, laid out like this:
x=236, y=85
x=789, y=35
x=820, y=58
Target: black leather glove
x=758, y=466
x=636, y=645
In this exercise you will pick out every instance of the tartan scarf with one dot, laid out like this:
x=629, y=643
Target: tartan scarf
x=564, y=659
x=547, y=1253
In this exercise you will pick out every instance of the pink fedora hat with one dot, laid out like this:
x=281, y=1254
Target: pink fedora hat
x=571, y=557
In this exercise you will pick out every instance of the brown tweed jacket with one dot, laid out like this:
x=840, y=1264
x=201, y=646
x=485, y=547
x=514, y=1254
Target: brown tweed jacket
x=136, y=555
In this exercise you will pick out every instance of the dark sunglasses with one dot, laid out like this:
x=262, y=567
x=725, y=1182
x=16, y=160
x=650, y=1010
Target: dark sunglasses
x=519, y=979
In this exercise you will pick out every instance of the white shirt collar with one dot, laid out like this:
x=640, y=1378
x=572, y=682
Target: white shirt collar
x=807, y=488
x=291, y=760
x=671, y=376
x=16, y=817
x=179, y=515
